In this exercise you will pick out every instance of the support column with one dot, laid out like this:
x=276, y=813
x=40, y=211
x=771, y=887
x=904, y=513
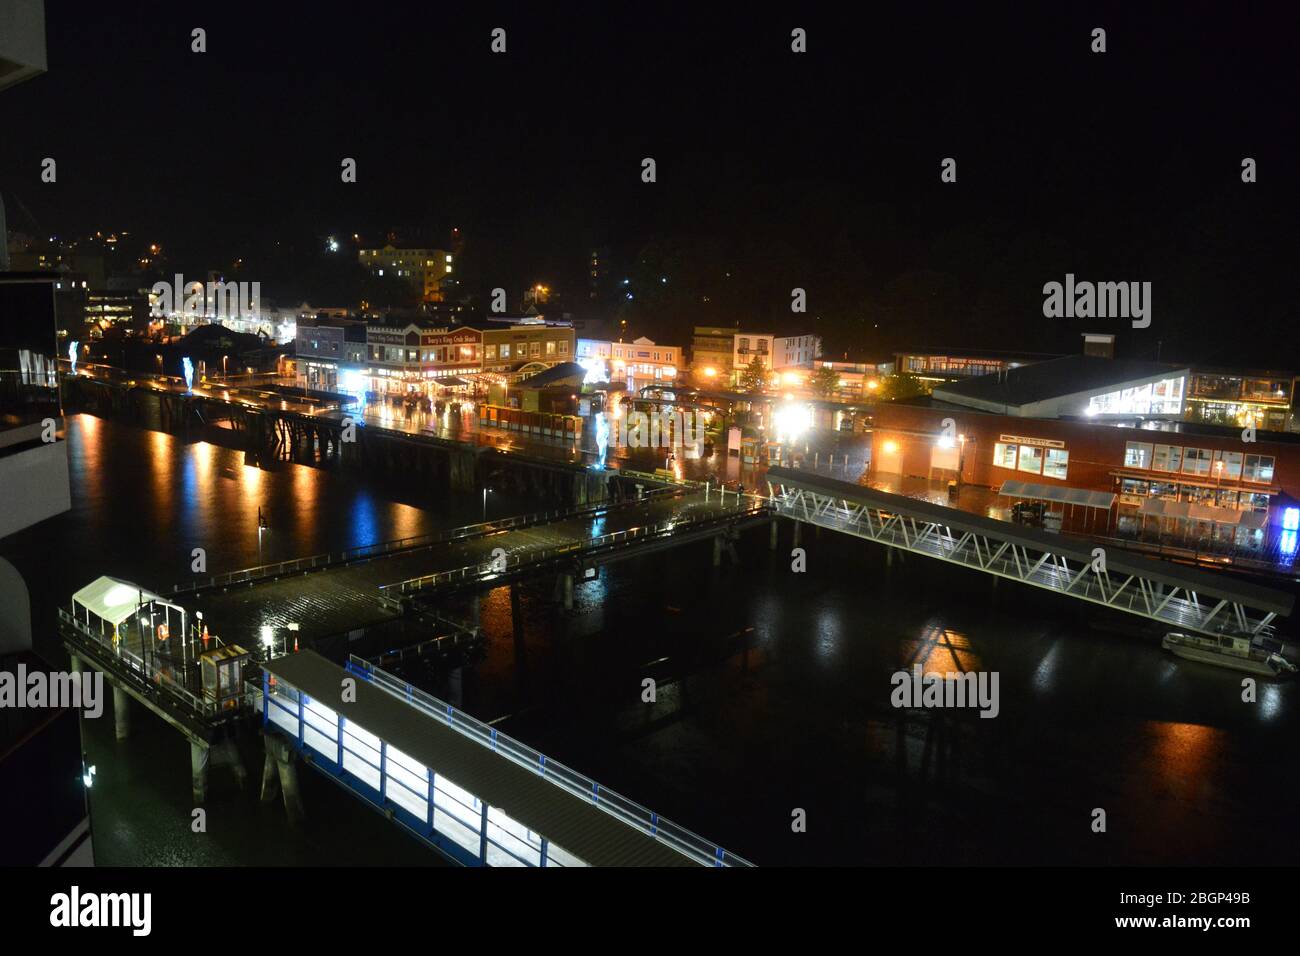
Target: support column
x=717, y=550
x=76, y=664
x=199, y=771
x=292, y=795
x=798, y=528
x=121, y=713
x=566, y=582
x=281, y=767
x=270, y=779
x=772, y=539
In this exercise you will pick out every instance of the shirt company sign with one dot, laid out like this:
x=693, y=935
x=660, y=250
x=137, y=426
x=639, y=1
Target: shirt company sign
x=1035, y=442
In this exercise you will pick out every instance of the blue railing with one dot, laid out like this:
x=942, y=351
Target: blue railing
x=689, y=844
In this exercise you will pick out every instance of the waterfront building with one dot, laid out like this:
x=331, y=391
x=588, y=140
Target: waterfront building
x=1233, y=397
x=712, y=352
x=1087, y=423
x=776, y=352
x=426, y=270
x=642, y=362
x=935, y=366
x=526, y=347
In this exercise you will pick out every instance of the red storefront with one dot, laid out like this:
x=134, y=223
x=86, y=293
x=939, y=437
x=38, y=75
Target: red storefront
x=1213, y=471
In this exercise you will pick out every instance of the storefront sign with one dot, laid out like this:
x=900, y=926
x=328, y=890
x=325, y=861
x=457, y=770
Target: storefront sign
x=1036, y=442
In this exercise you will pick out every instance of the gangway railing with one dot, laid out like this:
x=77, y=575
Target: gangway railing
x=684, y=841
x=367, y=552
x=1182, y=598
x=747, y=506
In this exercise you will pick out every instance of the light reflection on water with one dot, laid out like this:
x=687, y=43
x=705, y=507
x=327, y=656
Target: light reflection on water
x=776, y=684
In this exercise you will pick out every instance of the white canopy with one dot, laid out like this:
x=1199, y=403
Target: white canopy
x=1190, y=511
x=115, y=600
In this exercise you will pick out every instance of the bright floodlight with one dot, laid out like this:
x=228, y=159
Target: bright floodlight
x=267, y=638
x=792, y=420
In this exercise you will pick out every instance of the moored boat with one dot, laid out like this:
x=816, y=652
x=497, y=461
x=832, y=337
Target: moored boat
x=1236, y=653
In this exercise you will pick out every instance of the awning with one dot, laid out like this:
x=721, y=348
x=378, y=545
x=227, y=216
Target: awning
x=1190, y=511
x=1058, y=493
x=115, y=600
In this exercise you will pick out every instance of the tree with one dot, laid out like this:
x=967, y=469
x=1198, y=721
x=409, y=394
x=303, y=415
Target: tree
x=903, y=385
x=825, y=381
x=754, y=376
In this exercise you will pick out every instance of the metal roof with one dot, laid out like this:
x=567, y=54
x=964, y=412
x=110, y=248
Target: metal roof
x=1058, y=493
x=574, y=824
x=1174, y=575
x=1055, y=378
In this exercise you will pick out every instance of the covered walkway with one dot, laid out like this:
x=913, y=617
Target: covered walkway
x=478, y=796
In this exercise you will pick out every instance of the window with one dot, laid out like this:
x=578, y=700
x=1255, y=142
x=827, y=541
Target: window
x=1253, y=501
x=1004, y=455
x=564, y=348
x=1137, y=454
x=1031, y=459
x=490, y=351
x=1196, y=461
x=505, y=351
x=536, y=349
x=1168, y=458
x=1057, y=463
x=1259, y=468
x=1228, y=465
x=550, y=347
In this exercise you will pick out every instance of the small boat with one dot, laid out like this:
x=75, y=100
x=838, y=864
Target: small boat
x=1233, y=652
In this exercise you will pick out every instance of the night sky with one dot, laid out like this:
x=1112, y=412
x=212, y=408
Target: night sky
x=818, y=170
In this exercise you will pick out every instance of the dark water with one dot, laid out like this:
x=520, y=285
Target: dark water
x=773, y=692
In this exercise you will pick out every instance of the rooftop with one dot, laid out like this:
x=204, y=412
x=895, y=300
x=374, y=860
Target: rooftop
x=1054, y=378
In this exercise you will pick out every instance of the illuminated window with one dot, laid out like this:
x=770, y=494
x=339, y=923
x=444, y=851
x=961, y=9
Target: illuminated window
x=1031, y=459
x=1004, y=455
x=505, y=351
x=1167, y=458
x=1196, y=461
x=1228, y=465
x=1057, y=463
x=1258, y=468
x=1137, y=454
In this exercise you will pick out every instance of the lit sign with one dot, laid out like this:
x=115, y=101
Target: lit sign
x=1036, y=442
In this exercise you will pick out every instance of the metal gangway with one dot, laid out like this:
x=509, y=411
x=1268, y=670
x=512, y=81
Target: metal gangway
x=479, y=797
x=1180, y=597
